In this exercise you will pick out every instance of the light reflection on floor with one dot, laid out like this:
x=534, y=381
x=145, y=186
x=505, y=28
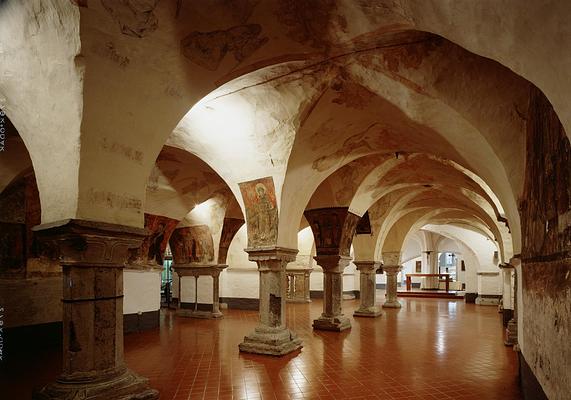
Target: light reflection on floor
x=429, y=349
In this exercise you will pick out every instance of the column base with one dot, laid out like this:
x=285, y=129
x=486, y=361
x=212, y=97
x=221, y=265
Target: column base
x=270, y=341
x=370, y=312
x=198, y=314
x=298, y=301
x=511, y=333
x=125, y=385
x=336, y=324
x=392, y=304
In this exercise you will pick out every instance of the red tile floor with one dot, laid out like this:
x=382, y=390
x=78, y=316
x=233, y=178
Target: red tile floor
x=429, y=349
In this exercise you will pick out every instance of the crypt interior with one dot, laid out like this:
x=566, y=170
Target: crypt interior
x=285, y=199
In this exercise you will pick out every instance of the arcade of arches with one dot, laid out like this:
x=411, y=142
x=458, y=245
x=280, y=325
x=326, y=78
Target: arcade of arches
x=164, y=160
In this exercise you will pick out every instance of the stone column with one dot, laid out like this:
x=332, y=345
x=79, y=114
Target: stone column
x=271, y=336
x=216, y=292
x=432, y=282
x=92, y=256
x=511, y=329
x=391, y=293
x=368, y=288
x=332, y=318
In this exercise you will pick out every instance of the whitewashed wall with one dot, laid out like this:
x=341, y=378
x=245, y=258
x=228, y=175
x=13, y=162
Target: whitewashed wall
x=142, y=291
x=241, y=278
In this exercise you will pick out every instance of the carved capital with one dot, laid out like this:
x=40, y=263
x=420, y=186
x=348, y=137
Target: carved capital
x=392, y=269
x=195, y=269
x=271, y=258
x=333, y=229
x=515, y=261
x=367, y=267
x=90, y=243
x=333, y=263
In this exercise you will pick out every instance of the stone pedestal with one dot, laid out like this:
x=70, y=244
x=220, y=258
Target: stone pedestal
x=511, y=329
x=197, y=270
x=332, y=318
x=391, y=293
x=271, y=336
x=92, y=256
x=298, y=284
x=368, y=289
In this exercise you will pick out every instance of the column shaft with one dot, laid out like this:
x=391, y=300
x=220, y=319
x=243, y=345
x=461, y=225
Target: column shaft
x=511, y=329
x=332, y=318
x=272, y=294
x=92, y=321
x=391, y=291
x=368, y=288
x=216, y=295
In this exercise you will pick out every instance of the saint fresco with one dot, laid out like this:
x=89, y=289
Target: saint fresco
x=261, y=211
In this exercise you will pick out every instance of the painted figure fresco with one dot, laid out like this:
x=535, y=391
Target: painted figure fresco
x=229, y=229
x=192, y=244
x=333, y=229
x=261, y=211
x=154, y=246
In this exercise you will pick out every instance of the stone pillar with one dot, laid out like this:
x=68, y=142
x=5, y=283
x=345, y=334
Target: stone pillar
x=332, y=318
x=511, y=329
x=368, y=288
x=216, y=293
x=391, y=294
x=92, y=256
x=432, y=282
x=271, y=336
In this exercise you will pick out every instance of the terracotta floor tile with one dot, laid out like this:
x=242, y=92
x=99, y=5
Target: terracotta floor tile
x=429, y=349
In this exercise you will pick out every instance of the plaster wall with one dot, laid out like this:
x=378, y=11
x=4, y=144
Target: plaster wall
x=41, y=84
x=31, y=301
x=189, y=288
x=241, y=278
x=409, y=267
x=142, y=291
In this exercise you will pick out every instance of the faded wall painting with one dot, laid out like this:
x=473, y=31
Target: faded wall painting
x=12, y=250
x=192, y=244
x=349, y=227
x=135, y=17
x=19, y=212
x=333, y=229
x=231, y=226
x=364, y=225
x=155, y=244
x=261, y=211
x=208, y=49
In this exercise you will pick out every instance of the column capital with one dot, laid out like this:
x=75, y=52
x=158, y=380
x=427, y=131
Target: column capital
x=515, y=261
x=271, y=253
x=197, y=269
x=90, y=243
x=333, y=263
x=392, y=269
x=507, y=266
x=367, y=266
